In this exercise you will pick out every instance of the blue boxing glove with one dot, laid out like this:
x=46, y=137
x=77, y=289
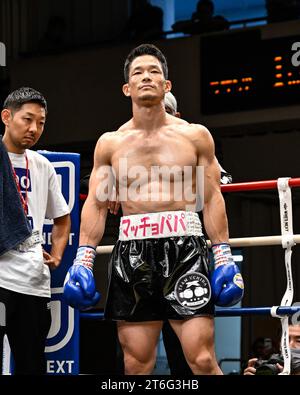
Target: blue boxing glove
x=226, y=280
x=79, y=286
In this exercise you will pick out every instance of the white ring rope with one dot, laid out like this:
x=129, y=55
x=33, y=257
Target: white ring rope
x=286, y=220
x=236, y=242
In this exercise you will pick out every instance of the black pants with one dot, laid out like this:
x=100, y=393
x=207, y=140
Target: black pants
x=27, y=323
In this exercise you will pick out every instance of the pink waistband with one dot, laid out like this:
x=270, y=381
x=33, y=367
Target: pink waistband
x=163, y=224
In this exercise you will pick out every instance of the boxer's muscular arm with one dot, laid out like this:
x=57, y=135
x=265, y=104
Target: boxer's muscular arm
x=226, y=280
x=79, y=286
x=214, y=212
x=94, y=211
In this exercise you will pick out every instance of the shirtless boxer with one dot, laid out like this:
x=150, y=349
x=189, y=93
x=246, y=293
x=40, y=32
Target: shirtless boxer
x=158, y=268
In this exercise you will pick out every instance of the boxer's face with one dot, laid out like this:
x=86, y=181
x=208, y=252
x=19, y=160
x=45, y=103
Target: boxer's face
x=24, y=127
x=146, y=79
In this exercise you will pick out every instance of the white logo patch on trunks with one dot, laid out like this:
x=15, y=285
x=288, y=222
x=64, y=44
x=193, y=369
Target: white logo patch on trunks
x=193, y=290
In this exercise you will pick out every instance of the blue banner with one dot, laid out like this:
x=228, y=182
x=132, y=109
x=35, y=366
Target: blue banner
x=62, y=348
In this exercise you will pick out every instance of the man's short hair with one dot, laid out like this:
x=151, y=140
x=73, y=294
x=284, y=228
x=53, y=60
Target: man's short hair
x=141, y=50
x=170, y=103
x=294, y=319
x=17, y=98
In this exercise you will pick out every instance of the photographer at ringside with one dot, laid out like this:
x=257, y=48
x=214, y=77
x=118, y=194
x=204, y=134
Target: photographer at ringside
x=275, y=364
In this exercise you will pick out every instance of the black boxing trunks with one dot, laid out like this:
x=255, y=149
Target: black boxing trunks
x=159, y=269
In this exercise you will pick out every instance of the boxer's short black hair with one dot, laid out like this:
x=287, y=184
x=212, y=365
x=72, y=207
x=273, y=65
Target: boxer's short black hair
x=145, y=49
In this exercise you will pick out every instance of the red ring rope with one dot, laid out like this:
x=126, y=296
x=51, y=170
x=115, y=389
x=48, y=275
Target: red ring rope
x=257, y=185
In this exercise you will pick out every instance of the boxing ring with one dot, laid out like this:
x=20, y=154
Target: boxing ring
x=287, y=240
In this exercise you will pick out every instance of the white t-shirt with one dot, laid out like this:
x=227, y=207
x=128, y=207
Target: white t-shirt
x=25, y=272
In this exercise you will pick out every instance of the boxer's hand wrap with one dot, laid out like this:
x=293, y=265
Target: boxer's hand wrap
x=226, y=280
x=79, y=286
x=85, y=256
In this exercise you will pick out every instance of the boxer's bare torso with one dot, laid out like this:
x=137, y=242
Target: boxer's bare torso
x=155, y=170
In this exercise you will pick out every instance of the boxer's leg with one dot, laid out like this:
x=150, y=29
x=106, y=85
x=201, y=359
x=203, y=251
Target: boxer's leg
x=197, y=339
x=138, y=341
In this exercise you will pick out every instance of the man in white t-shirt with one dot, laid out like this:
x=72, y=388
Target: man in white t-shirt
x=25, y=270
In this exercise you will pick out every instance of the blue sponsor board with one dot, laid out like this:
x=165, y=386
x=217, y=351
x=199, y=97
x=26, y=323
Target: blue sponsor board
x=62, y=348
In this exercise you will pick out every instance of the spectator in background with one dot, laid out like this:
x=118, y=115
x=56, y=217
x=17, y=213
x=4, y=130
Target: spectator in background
x=263, y=347
x=294, y=343
x=145, y=22
x=203, y=15
x=282, y=10
x=203, y=20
